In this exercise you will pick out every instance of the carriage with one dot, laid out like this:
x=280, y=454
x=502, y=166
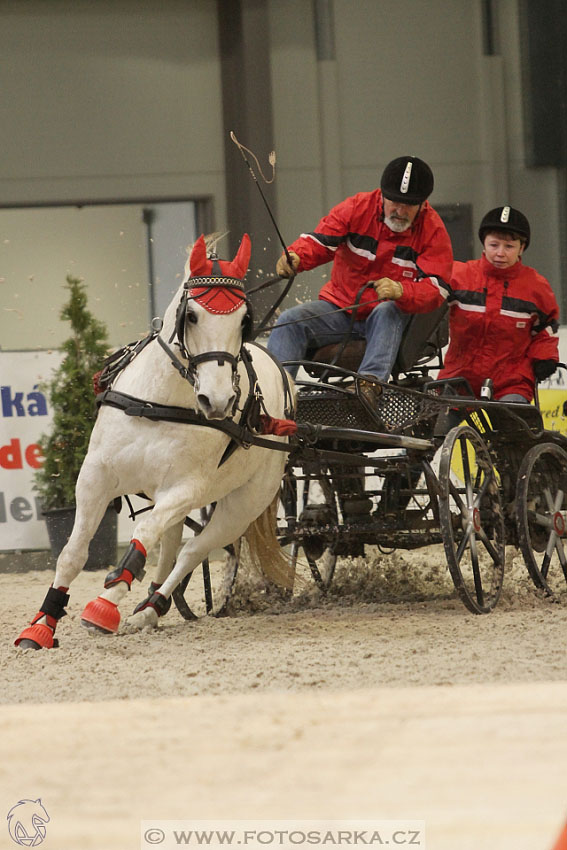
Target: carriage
x=395, y=475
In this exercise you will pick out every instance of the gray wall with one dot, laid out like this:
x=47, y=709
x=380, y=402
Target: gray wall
x=409, y=77
x=123, y=100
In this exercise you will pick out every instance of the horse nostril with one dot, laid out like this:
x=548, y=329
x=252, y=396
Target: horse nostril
x=204, y=401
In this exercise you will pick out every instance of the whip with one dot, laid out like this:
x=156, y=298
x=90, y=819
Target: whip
x=272, y=160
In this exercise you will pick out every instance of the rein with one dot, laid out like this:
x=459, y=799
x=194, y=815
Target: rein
x=271, y=281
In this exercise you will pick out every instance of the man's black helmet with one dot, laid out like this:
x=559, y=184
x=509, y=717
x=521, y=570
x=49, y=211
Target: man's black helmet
x=407, y=180
x=506, y=219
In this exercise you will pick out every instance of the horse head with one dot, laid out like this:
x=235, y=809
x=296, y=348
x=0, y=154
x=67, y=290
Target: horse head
x=213, y=320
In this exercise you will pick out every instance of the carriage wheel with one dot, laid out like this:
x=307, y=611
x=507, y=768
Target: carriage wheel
x=207, y=590
x=541, y=515
x=471, y=519
x=319, y=550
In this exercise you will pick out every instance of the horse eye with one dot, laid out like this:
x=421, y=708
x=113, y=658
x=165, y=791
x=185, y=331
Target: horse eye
x=191, y=317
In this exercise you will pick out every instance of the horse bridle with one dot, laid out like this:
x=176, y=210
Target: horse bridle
x=206, y=285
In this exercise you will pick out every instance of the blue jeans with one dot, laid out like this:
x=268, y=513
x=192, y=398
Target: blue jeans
x=319, y=323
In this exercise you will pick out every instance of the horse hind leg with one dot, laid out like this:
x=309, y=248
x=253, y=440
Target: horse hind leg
x=228, y=523
x=169, y=546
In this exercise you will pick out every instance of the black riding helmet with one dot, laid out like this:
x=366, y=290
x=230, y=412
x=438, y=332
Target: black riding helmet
x=507, y=220
x=407, y=180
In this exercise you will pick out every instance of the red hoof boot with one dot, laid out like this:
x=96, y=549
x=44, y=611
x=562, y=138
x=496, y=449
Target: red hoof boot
x=38, y=636
x=102, y=615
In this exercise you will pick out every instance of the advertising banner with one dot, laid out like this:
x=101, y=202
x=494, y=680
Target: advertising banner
x=24, y=416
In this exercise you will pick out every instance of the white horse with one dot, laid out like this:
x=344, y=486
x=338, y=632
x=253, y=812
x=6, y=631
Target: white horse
x=206, y=377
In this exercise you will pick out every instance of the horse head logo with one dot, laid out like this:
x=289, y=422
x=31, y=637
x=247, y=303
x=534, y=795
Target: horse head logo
x=26, y=823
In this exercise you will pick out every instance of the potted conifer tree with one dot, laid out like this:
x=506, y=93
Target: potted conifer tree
x=71, y=396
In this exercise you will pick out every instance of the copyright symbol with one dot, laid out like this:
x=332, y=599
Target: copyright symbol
x=154, y=836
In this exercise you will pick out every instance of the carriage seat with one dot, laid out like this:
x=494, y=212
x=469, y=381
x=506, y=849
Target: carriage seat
x=423, y=338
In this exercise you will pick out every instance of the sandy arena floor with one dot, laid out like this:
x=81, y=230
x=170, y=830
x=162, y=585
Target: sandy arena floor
x=384, y=700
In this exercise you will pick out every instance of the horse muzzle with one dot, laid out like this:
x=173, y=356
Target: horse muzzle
x=213, y=409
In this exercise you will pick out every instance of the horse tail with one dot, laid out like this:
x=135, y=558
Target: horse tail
x=265, y=551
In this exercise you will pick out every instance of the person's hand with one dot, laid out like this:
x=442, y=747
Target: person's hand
x=544, y=368
x=283, y=268
x=388, y=288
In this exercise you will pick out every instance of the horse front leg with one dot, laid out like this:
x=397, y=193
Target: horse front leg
x=93, y=494
x=102, y=614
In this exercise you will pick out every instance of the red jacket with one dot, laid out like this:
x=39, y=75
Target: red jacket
x=500, y=321
x=362, y=248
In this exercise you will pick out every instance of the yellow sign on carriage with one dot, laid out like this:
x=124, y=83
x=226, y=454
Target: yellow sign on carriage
x=553, y=407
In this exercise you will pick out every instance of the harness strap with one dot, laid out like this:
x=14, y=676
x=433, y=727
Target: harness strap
x=183, y=370
x=251, y=408
x=289, y=405
x=115, y=363
x=133, y=406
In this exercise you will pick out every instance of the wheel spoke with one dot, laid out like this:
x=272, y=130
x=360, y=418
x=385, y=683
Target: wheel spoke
x=469, y=489
x=463, y=545
x=489, y=547
x=561, y=555
x=545, y=564
x=312, y=508
x=455, y=493
x=475, y=556
x=476, y=574
x=483, y=487
x=543, y=520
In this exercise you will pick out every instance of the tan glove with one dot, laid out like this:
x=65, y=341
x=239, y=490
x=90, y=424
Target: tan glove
x=283, y=268
x=388, y=289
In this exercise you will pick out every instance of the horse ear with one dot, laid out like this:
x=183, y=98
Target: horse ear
x=239, y=266
x=198, y=261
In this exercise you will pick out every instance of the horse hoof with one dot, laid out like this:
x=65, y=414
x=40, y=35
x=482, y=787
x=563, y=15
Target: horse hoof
x=146, y=618
x=38, y=636
x=101, y=615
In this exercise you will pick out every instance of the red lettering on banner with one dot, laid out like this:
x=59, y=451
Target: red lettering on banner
x=11, y=455
x=34, y=456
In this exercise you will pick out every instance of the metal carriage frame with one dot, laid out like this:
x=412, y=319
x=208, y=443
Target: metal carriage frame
x=496, y=478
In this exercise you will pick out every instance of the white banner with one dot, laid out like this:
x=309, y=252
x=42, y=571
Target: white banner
x=24, y=417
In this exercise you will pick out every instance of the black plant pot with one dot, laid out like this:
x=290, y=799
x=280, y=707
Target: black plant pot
x=103, y=548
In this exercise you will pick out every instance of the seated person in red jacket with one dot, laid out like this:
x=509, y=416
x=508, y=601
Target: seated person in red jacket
x=503, y=319
x=391, y=233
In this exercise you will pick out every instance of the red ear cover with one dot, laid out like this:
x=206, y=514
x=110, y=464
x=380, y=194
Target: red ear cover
x=201, y=266
x=199, y=263
x=239, y=266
